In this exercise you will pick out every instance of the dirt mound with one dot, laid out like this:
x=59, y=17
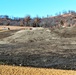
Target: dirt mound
x=41, y=48
x=24, y=36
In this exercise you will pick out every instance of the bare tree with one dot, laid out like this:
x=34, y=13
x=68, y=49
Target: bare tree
x=37, y=21
x=21, y=23
x=27, y=19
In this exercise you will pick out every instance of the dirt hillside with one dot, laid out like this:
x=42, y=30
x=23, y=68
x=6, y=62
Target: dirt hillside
x=40, y=48
x=35, y=35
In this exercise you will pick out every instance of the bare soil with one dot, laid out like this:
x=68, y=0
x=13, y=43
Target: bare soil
x=4, y=27
x=39, y=48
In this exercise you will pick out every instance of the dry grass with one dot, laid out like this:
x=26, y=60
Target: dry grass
x=14, y=27
x=11, y=70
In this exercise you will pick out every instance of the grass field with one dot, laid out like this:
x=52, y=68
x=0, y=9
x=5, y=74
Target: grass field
x=12, y=70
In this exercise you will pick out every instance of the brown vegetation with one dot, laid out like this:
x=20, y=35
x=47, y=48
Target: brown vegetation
x=68, y=18
x=11, y=70
x=14, y=27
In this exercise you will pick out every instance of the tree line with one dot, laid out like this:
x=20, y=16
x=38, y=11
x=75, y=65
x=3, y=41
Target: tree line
x=37, y=21
x=26, y=21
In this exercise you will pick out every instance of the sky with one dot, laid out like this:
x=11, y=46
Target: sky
x=41, y=8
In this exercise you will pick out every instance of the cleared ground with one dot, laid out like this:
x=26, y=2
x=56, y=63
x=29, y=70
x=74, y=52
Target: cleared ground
x=11, y=27
x=39, y=48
